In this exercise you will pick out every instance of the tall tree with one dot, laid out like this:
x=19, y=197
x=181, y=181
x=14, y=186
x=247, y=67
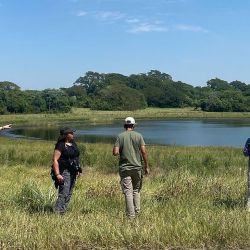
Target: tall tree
x=92, y=82
x=218, y=84
x=5, y=85
x=119, y=97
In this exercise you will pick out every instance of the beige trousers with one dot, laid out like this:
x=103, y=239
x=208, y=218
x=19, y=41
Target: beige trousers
x=131, y=183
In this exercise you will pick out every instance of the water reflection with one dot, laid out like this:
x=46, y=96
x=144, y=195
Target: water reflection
x=52, y=135
x=179, y=132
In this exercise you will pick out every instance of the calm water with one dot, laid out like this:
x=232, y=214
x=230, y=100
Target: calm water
x=179, y=132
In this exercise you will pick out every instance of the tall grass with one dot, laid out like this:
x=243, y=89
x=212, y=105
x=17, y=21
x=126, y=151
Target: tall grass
x=194, y=198
x=92, y=116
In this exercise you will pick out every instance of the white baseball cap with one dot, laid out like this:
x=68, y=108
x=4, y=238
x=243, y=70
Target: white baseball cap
x=129, y=120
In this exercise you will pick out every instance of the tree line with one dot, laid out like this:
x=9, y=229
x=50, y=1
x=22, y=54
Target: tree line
x=113, y=91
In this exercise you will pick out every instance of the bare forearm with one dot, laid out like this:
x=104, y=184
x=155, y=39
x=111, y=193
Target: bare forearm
x=145, y=158
x=56, y=167
x=116, y=151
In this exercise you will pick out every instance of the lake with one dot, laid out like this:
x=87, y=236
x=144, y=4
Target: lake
x=166, y=132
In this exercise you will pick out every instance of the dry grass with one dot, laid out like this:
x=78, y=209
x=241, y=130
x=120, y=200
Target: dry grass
x=194, y=198
x=87, y=115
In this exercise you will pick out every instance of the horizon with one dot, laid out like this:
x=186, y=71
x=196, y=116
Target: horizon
x=174, y=80
x=49, y=44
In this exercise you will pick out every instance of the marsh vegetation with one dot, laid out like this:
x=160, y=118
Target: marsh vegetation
x=194, y=198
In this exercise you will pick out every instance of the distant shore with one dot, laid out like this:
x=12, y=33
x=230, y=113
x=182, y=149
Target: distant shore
x=93, y=116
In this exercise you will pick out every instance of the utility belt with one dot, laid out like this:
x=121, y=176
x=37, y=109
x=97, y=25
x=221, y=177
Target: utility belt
x=72, y=165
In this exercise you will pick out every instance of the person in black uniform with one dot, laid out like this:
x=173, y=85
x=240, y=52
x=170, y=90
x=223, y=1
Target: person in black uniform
x=246, y=152
x=66, y=168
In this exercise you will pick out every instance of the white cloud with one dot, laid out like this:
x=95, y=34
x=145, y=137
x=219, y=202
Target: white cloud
x=147, y=27
x=135, y=25
x=109, y=15
x=191, y=28
x=133, y=20
x=82, y=13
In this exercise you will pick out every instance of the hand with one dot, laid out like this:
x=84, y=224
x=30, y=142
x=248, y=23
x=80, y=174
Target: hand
x=147, y=171
x=7, y=126
x=60, y=178
x=78, y=174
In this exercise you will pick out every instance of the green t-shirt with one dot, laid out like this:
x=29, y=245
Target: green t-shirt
x=129, y=143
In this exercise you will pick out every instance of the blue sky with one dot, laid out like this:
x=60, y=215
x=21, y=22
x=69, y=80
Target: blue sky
x=50, y=43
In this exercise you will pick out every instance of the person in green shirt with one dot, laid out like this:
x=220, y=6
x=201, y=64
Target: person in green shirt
x=130, y=147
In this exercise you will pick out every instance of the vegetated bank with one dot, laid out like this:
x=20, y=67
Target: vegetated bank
x=94, y=116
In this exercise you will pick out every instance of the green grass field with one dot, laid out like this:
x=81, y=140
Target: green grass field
x=193, y=199
x=87, y=115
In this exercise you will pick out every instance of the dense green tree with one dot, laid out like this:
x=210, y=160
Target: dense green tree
x=78, y=96
x=212, y=103
x=247, y=91
x=119, y=97
x=235, y=99
x=159, y=75
x=237, y=85
x=92, y=82
x=5, y=85
x=16, y=101
x=138, y=81
x=37, y=103
x=114, y=91
x=218, y=84
x=13, y=100
x=56, y=100
x=154, y=96
x=228, y=100
x=114, y=78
